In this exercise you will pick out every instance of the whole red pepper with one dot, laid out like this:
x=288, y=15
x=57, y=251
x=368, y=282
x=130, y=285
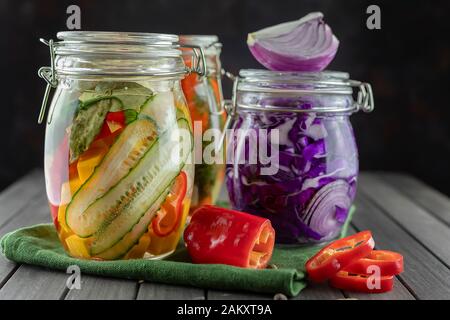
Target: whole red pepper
x=219, y=235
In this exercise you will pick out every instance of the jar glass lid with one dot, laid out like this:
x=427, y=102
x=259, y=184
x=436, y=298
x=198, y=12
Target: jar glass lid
x=294, y=84
x=276, y=81
x=117, y=53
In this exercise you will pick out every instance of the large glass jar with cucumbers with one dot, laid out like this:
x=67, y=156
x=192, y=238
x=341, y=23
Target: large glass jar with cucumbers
x=118, y=146
x=205, y=100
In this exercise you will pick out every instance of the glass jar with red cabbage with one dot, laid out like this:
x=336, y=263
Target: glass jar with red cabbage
x=292, y=155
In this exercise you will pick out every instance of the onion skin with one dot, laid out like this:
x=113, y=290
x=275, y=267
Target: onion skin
x=307, y=44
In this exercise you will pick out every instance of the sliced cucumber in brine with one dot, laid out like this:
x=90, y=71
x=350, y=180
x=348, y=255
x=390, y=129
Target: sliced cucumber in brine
x=124, y=154
x=121, y=248
x=126, y=203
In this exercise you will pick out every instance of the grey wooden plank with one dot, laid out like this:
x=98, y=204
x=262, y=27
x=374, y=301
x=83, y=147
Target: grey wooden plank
x=99, y=288
x=159, y=291
x=35, y=211
x=432, y=200
x=34, y=283
x=423, y=226
x=30, y=282
x=228, y=295
x=6, y=269
x=425, y=275
x=400, y=292
x=16, y=197
x=319, y=292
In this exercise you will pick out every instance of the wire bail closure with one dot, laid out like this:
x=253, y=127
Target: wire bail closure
x=199, y=61
x=49, y=75
x=364, y=100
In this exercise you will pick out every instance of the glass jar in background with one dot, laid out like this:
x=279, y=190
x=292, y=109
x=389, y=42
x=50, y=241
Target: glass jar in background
x=204, y=98
x=302, y=121
x=118, y=145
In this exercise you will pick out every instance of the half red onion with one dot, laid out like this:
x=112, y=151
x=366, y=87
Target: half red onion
x=307, y=44
x=325, y=212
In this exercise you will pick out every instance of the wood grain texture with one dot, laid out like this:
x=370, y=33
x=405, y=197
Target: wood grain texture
x=14, y=198
x=98, y=288
x=229, y=295
x=34, y=283
x=431, y=200
x=26, y=205
x=425, y=275
x=158, y=291
x=419, y=223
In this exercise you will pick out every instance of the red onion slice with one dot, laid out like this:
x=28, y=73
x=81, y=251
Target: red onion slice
x=322, y=214
x=307, y=44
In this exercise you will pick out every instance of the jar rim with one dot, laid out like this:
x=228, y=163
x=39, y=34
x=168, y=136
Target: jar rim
x=90, y=53
x=124, y=44
x=294, y=77
x=144, y=38
x=296, y=84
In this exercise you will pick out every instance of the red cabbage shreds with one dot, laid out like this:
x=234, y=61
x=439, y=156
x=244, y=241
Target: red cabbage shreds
x=307, y=44
x=308, y=198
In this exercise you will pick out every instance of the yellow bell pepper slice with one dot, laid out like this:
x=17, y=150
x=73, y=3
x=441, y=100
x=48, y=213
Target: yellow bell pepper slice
x=89, y=160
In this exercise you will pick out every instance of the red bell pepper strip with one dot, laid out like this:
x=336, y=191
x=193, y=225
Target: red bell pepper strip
x=362, y=283
x=218, y=235
x=169, y=215
x=339, y=254
x=389, y=263
x=118, y=117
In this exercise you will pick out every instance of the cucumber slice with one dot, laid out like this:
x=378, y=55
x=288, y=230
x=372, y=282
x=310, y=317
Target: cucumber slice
x=123, y=155
x=161, y=108
x=125, y=244
x=126, y=203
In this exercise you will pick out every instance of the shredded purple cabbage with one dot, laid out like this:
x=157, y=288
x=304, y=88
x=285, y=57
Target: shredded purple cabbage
x=309, y=197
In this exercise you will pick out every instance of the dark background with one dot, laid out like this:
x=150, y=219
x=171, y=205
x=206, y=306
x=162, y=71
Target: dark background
x=407, y=62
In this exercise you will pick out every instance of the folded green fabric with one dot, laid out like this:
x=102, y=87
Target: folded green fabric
x=39, y=245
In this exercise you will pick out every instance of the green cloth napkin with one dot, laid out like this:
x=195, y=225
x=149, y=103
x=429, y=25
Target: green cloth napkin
x=39, y=245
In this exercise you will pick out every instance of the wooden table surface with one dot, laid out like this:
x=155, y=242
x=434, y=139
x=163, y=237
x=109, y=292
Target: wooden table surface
x=404, y=214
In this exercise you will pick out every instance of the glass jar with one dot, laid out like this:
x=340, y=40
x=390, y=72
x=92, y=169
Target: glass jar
x=118, y=145
x=294, y=159
x=205, y=99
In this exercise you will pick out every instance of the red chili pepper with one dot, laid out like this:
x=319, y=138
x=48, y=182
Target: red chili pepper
x=362, y=283
x=168, y=217
x=339, y=254
x=389, y=263
x=218, y=235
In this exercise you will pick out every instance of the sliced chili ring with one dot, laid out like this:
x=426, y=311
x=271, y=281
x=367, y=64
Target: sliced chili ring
x=390, y=263
x=169, y=215
x=362, y=283
x=339, y=254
